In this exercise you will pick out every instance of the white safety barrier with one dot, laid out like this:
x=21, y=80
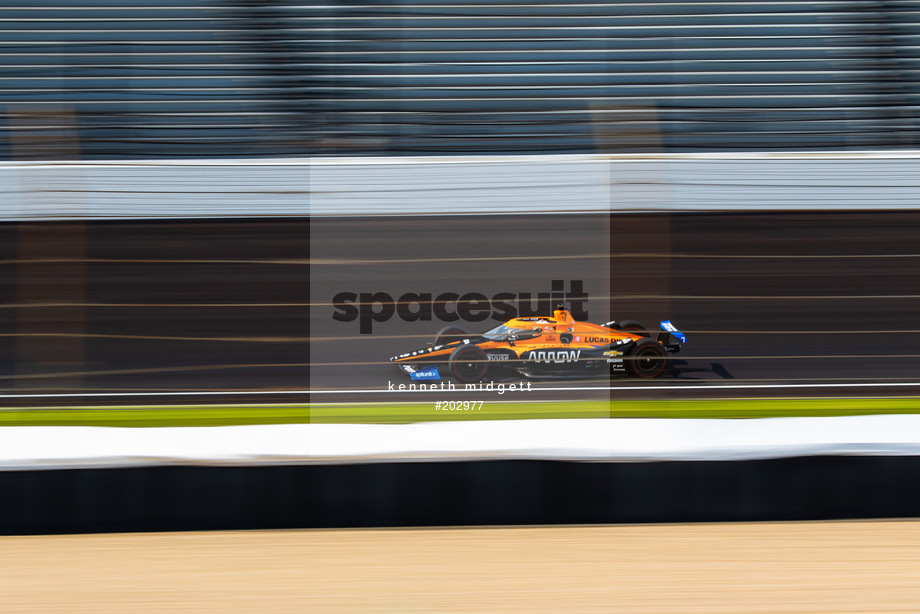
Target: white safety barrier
x=459, y=185
x=597, y=440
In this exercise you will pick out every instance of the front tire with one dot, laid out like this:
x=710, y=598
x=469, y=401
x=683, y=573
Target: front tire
x=647, y=360
x=468, y=364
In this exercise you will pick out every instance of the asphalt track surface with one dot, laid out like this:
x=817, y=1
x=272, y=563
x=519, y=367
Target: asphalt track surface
x=155, y=307
x=767, y=299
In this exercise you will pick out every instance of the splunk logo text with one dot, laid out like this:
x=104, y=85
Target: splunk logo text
x=370, y=307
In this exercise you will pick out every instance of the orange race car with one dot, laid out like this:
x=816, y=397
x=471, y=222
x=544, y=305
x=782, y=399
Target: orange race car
x=545, y=347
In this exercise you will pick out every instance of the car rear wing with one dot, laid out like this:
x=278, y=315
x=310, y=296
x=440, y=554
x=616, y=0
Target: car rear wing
x=670, y=337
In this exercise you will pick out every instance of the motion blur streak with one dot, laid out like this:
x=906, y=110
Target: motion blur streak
x=192, y=305
x=801, y=568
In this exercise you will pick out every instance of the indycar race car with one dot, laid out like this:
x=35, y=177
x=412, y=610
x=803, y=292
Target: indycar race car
x=545, y=347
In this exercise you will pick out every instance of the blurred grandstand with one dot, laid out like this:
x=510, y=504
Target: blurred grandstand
x=204, y=78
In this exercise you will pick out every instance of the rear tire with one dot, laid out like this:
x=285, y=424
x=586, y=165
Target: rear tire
x=636, y=328
x=468, y=364
x=449, y=334
x=647, y=360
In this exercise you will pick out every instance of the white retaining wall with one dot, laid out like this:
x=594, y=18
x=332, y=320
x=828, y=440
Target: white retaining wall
x=458, y=185
x=595, y=440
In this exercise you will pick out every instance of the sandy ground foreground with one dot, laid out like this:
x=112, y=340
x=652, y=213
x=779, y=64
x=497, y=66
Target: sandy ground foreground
x=837, y=567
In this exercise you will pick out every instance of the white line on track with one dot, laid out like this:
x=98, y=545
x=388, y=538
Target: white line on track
x=457, y=388
x=644, y=388
x=227, y=393
x=321, y=261
x=353, y=262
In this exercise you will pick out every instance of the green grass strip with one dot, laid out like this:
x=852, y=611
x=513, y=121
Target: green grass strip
x=161, y=415
x=764, y=408
x=399, y=413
